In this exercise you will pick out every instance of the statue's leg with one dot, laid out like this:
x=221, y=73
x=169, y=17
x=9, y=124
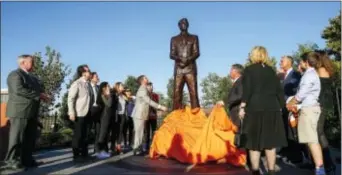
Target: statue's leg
x=191, y=82
x=178, y=91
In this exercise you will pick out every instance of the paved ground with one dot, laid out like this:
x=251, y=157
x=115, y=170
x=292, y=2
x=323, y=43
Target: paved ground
x=60, y=162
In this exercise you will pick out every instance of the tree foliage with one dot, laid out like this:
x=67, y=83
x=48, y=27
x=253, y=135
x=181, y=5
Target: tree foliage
x=51, y=71
x=301, y=49
x=63, y=117
x=332, y=33
x=214, y=88
x=132, y=84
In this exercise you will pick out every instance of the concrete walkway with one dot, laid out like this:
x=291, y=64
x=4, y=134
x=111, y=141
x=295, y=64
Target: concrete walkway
x=60, y=162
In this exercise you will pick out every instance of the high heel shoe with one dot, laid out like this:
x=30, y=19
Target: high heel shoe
x=118, y=148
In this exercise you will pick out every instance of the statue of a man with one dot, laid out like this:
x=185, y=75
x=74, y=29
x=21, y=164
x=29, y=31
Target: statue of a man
x=185, y=50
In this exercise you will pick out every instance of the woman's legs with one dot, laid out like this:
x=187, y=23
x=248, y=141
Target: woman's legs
x=271, y=159
x=254, y=157
x=120, y=125
x=328, y=162
x=104, y=130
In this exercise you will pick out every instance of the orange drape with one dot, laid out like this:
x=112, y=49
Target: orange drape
x=194, y=138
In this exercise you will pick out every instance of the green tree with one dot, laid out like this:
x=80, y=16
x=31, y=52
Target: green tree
x=169, y=99
x=301, y=49
x=332, y=33
x=271, y=62
x=132, y=84
x=63, y=117
x=162, y=98
x=51, y=71
x=214, y=88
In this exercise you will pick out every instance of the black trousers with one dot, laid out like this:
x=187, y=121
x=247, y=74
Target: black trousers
x=94, y=124
x=79, y=140
x=327, y=159
x=22, y=139
x=104, y=130
x=151, y=126
x=119, y=127
x=128, y=131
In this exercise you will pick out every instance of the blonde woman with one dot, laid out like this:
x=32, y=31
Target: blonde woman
x=262, y=101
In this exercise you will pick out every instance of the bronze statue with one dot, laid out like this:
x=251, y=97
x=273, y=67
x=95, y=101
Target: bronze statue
x=185, y=50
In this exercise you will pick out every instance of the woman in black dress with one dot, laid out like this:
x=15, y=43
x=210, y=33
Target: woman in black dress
x=262, y=101
x=325, y=72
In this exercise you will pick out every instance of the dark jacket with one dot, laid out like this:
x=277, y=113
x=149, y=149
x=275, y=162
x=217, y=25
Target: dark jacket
x=262, y=90
x=23, y=95
x=234, y=101
x=291, y=83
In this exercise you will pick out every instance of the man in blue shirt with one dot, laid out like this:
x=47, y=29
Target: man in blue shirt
x=307, y=97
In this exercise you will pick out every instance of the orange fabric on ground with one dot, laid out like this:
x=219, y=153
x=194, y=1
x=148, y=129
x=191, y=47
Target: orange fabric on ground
x=194, y=138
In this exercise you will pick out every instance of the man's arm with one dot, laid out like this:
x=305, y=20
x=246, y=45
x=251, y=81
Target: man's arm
x=173, y=51
x=304, y=86
x=15, y=82
x=145, y=97
x=72, y=98
x=195, y=49
x=280, y=91
x=235, y=98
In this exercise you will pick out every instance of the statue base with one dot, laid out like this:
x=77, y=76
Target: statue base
x=189, y=136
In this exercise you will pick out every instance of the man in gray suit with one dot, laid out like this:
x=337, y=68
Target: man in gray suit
x=79, y=104
x=141, y=111
x=25, y=94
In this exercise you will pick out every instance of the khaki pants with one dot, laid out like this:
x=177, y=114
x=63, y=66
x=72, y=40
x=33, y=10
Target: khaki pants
x=139, y=126
x=307, y=124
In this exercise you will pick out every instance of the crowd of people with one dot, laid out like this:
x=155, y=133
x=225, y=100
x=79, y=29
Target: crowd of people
x=262, y=102
x=114, y=113
x=266, y=101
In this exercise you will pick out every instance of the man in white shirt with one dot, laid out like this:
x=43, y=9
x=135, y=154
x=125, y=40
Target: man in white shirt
x=79, y=103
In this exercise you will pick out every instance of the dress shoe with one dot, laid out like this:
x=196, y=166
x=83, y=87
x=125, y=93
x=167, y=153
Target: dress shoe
x=330, y=171
x=103, y=155
x=15, y=166
x=256, y=172
x=271, y=172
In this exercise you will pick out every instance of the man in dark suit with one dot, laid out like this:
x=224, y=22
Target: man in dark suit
x=234, y=97
x=290, y=80
x=95, y=110
x=22, y=109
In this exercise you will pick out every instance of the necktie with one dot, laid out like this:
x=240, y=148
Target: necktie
x=91, y=94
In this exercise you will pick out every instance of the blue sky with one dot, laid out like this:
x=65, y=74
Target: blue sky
x=131, y=38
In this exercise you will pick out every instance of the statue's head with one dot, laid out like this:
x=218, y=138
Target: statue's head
x=183, y=24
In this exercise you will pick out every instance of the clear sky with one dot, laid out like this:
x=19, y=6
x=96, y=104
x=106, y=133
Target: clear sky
x=117, y=39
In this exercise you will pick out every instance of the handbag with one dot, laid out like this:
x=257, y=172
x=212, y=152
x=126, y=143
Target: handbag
x=240, y=137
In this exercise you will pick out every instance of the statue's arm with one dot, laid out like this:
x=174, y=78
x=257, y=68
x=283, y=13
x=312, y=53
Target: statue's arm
x=173, y=53
x=195, y=49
